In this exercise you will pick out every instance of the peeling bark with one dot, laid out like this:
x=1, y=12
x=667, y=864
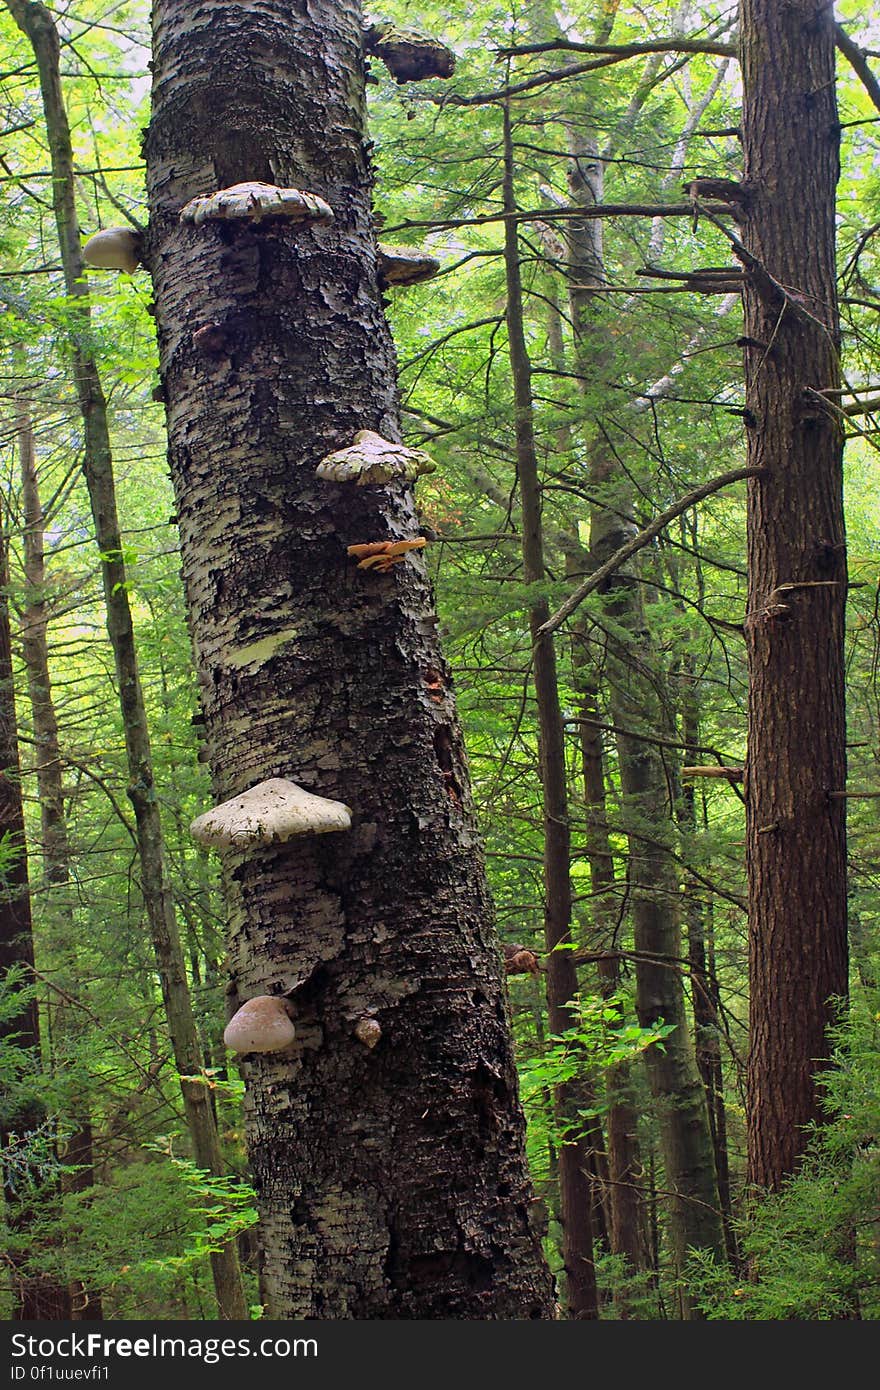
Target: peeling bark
x=391, y=1179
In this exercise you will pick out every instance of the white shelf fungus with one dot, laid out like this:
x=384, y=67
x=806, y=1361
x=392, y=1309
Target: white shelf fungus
x=254, y=202
x=373, y=460
x=261, y=1025
x=405, y=265
x=268, y=814
x=114, y=248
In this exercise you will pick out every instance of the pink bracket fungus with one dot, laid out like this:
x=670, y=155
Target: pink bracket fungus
x=114, y=248
x=372, y=460
x=256, y=202
x=268, y=814
x=261, y=1025
x=405, y=265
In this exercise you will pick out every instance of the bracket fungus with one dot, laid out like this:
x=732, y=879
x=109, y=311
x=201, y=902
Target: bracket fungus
x=268, y=814
x=256, y=202
x=114, y=248
x=368, y=1031
x=405, y=265
x=381, y=555
x=409, y=55
x=372, y=460
x=263, y=1024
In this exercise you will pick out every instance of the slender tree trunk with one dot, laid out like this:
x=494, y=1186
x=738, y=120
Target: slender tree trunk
x=33, y=1296
x=36, y=22
x=562, y=981
x=633, y=701
x=705, y=997
x=392, y=1180
x=626, y=1225
x=797, y=755
x=85, y=1304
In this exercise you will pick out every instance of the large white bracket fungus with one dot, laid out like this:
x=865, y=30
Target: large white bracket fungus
x=374, y=460
x=261, y=1025
x=255, y=202
x=408, y=54
x=405, y=265
x=114, y=248
x=268, y=814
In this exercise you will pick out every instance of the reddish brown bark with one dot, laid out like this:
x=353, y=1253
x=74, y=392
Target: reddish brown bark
x=796, y=831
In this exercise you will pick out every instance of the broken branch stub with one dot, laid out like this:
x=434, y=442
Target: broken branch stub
x=270, y=813
x=372, y=460
x=256, y=202
x=114, y=248
x=405, y=265
x=409, y=55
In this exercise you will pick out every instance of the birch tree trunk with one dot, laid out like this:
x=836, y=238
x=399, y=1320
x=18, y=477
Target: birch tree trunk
x=391, y=1180
x=796, y=819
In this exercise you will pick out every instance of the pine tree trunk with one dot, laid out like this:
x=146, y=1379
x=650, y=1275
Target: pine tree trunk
x=626, y=1225
x=562, y=982
x=391, y=1180
x=85, y=1304
x=32, y=1295
x=632, y=676
x=797, y=755
x=36, y=22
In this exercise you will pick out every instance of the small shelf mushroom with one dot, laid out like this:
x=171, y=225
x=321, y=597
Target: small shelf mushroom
x=368, y=1031
x=114, y=248
x=270, y=813
x=381, y=555
x=405, y=265
x=373, y=461
x=409, y=55
x=256, y=202
x=263, y=1024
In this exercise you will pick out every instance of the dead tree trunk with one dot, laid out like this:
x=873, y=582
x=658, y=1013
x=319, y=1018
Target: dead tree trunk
x=392, y=1179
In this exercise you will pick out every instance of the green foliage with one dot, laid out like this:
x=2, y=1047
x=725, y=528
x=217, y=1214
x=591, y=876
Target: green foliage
x=811, y=1252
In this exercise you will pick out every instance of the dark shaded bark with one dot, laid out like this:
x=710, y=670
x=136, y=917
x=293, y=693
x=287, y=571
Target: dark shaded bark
x=36, y=23
x=391, y=1180
x=796, y=833
x=573, y=1158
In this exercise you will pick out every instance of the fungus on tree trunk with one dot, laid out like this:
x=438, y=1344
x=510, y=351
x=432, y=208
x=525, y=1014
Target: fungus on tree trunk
x=405, y=265
x=268, y=814
x=256, y=202
x=114, y=248
x=368, y=1031
x=263, y=1024
x=381, y=555
x=372, y=460
x=407, y=54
